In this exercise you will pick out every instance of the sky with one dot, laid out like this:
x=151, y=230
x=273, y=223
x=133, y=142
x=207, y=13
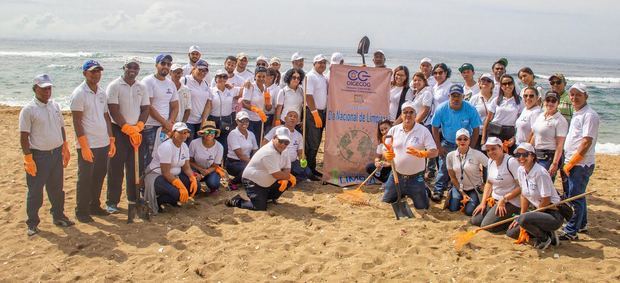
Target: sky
x=568, y=28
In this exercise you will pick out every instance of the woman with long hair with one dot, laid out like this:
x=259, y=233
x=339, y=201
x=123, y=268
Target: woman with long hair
x=399, y=92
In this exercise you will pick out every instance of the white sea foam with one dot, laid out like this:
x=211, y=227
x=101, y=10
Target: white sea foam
x=608, y=148
x=587, y=79
x=49, y=54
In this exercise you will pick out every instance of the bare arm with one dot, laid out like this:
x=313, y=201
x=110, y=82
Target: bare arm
x=486, y=125
x=77, y=122
x=422, y=115
x=165, y=171
x=115, y=113
x=241, y=156
x=144, y=113
x=284, y=174
x=206, y=111
x=174, y=111
x=108, y=123
x=25, y=143
x=475, y=135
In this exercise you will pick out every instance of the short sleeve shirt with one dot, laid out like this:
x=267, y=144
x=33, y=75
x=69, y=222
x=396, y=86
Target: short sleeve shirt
x=236, y=140
x=424, y=98
x=162, y=92
x=43, y=122
x=273, y=90
x=546, y=129
x=293, y=147
x=537, y=185
x=585, y=123
x=470, y=91
x=420, y=138
x=482, y=105
x=129, y=99
x=256, y=98
x=265, y=162
x=93, y=106
x=206, y=156
x=200, y=94
x=450, y=120
x=291, y=99
x=317, y=88
x=441, y=93
x=185, y=102
x=394, y=105
x=467, y=167
x=507, y=112
x=222, y=101
x=169, y=153
x=502, y=178
x=245, y=75
x=524, y=124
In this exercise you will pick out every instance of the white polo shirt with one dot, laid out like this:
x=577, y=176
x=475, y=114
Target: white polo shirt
x=482, y=106
x=256, y=98
x=468, y=92
x=236, y=140
x=200, y=93
x=185, y=102
x=206, y=156
x=245, y=75
x=293, y=147
x=584, y=123
x=93, y=107
x=273, y=90
x=441, y=92
x=507, y=112
x=44, y=124
x=431, y=81
x=467, y=166
x=536, y=185
x=501, y=178
x=265, y=162
x=169, y=153
x=222, y=101
x=395, y=92
x=162, y=93
x=128, y=98
x=317, y=88
x=421, y=99
x=420, y=138
x=546, y=129
x=289, y=98
x=524, y=124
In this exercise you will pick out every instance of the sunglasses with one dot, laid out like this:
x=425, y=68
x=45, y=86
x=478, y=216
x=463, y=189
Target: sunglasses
x=529, y=96
x=462, y=139
x=244, y=121
x=210, y=132
x=438, y=73
x=297, y=78
x=261, y=65
x=521, y=154
x=408, y=112
x=284, y=142
x=555, y=82
x=507, y=83
x=551, y=100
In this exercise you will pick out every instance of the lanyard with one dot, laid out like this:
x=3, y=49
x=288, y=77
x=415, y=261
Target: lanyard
x=462, y=162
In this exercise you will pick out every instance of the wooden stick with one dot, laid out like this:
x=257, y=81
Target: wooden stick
x=303, y=129
x=367, y=179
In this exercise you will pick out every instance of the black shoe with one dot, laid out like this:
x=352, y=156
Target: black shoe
x=84, y=218
x=317, y=173
x=63, y=222
x=32, y=231
x=555, y=240
x=541, y=245
x=568, y=237
x=436, y=197
x=99, y=212
x=234, y=201
x=314, y=178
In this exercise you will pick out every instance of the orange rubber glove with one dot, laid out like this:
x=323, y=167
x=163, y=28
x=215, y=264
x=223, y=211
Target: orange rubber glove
x=29, y=165
x=220, y=171
x=184, y=196
x=524, y=237
x=267, y=96
x=490, y=202
x=193, y=186
x=417, y=153
x=571, y=163
x=464, y=202
x=277, y=122
x=292, y=180
x=283, y=184
x=112, y=150
x=66, y=154
x=87, y=154
x=128, y=130
x=260, y=113
x=318, y=123
x=140, y=126
x=389, y=155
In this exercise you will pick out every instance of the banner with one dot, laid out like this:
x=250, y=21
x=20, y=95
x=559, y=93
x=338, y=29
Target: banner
x=357, y=101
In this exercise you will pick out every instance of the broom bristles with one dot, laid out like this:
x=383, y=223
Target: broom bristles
x=356, y=197
x=462, y=239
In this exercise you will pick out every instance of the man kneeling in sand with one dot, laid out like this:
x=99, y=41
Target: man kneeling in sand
x=267, y=175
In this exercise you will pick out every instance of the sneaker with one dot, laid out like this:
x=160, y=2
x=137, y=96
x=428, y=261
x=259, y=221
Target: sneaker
x=234, y=201
x=63, y=222
x=568, y=237
x=32, y=231
x=541, y=245
x=436, y=197
x=99, y=212
x=112, y=208
x=583, y=230
x=84, y=218
x=555, y=240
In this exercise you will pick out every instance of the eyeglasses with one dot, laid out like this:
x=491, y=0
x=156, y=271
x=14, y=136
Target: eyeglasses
x=521, y=154
x=529, y=96
x=297, y=78
x=408, y=112
x=165, y=64
x=261, y=65
x=555, y=82
x=284, y=142
x=507, y=83
x=203, y=70
x=462, y=139
x=438, y=73
x=551, y=100
x=244, y=121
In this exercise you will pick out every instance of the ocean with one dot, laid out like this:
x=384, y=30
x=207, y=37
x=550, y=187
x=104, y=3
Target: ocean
x=62, y=60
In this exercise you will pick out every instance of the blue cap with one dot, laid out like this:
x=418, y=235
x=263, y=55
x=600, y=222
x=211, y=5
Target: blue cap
x=456, y=88
x=202, y=64
x=162, y=57
x=90, y=65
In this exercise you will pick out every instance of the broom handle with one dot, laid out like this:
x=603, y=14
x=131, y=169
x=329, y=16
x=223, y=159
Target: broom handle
x=303, y=129
x=368, y=178
x=539, y=209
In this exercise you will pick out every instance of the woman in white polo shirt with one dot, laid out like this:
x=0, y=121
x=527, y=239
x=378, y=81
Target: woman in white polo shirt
x=465, y=174
x=291, y=96
x=503, y=114
x=500, y=199
x=482, y=101
x=256, y=101
x=441, y=91
x=222, y=107
x=241, y=146
x=399, y=92
x=524, y=123
x=527, y=78
x=548, y=134
x=206, y=156
x=422, y=100
x=536, y=189
x=273, y=89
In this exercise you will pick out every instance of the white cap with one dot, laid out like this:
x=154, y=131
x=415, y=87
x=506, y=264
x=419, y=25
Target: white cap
x=526, y=146
x=261, y=58
x=274, y=60
x=241, y=55
x=288, y=110
x=179, y=126
x=176, y=66
x=242, y=115
x=337, y=57
x=132, y=60
x=407, y=104
x=488, y=76
x=43, y=80
x=581, y=87
x=194, y=48
x=319, y=58
x=492, y=141
x=220, y=72
x=283, y=133
x=378, y=51
x=296, y=56
x=426, y=60
x=462, y=132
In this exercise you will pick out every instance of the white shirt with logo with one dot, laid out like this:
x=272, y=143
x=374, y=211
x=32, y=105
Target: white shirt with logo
x=296, y=143
x=547, y=129
x=537, y=185
x=236, y=140
x=162, y=93
x=201, y=94
x=206, y=156
x=128, y=98
x=317, y=88
x=265, y=162
x=466, y=167
x=93, y=106
x=584, y=123
x=43, y=122
x=504, y=180
x=395, y=92
x=420, y=138
x=169, y=153
x=524, y=124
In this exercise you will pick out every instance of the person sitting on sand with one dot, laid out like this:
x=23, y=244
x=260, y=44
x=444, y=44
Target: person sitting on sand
x=267, y=175
x=500, y=199
x=170, y=179
x=241, y=146
x=206, y=156
x=384, y=167
x=536, y=189
x=407, y=145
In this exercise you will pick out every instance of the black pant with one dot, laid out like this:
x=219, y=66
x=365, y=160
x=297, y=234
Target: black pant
x=90, y=180
x=260, y=195
x=123, y=159
x=50, y=175
x=384, y=173
x=538, y=224
x=314, y=136
x=224, y=134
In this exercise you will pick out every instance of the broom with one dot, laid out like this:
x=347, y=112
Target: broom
x=463, y=238
x=357, y=196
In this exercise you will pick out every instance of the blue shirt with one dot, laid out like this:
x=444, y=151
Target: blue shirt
x=450, y=120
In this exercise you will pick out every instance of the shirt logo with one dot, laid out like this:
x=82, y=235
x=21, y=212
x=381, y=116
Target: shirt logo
x=168, y=91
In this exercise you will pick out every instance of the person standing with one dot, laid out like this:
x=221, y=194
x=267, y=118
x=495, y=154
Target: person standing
x=316, y=99
x=46, y=152
x=378, y=58
x=242, y=68
x=558, y=85
x=291, y=95
x=275, y=64
x=441, y=91
x=200, y=96
x=471, y=86
x=426, y=67
x=222, y=105
x=482, y=102
x=498, y=69
x=256, y=101
x=399, y=93
x=548, y=135
x=128, y=103
x=194, y=55
x=95, y=141
x=297, y=61
x=185, y=98
x=530, y=112
x=579, y=157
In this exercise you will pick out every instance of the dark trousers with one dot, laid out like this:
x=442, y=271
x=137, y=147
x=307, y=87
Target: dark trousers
x=381, y=175
x=548, y=160
x=409, y=185
x=222, y=138
x=193, y=132
x=259, y=195
x=300, y=173
x=255, y=128
x=488, y=217
x=538, y=224
x=577, y=184
x=314, y=136
x=90, y=180
x=120, y=164
x=167, y=193
x=235, y=168
x=149, y=135
x=212, y=181
x=50, y=176
x=269, y=123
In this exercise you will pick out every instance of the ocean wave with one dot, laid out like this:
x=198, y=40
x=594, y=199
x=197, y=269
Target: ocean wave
x=49, y=54
x=587, y=79
x=608, y=148
x=62, y=67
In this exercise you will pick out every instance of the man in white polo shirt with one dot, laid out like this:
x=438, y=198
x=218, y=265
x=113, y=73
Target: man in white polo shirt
x=267, y=175
x=164, y=100
x=579, y=157
x=46, y=153
x=408, y=144
x=128, y=102
x=185, y=99
x=242, y=68
x=93, y=129
x=274, y=63
x=316, y=99
x=194, y=55
x=200, y=92
x=297, y=61
x=378, y=59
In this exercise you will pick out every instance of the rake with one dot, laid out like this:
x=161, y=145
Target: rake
x=357, y=196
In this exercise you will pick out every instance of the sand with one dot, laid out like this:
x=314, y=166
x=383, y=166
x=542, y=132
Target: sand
x=309, y=237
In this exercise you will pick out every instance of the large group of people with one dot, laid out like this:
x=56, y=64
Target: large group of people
x=489, y=146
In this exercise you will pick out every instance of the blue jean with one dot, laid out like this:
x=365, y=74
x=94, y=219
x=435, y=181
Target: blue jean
x=547, y=164
x=410, y=185
x=212, y=181
x=577, y=184
x=167, y=193
x=148, y=138
x=455, y=199
x=443, y=179
x=300, y=173
x=259, y=195
x=235, y=168
x=50, y=176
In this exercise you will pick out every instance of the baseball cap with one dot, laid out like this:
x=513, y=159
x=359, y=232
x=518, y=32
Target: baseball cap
x=296, y=56
x=336, y=58
x=261, y=58
x=407, y=104
x=525, y=146
x=201, y=64
x=221, y=72
x=274, y=60
x=179, y=126
x=558, y=76
x=242, y=115
x=90, y=65
x=378, y=51
x=492, y=141
x=242, y=55
x=456, y=88
x=552, y=93
x=319, y=58
x=283, y=133
x=488, y=77
x=132, y=60
x=466, y=66
x=194, y=48
x=162, y=57
x=175, y=67
x=502, y=61
x=462, y=132
x=426, y=60
x=42, y=80
x=288, y=110
x=579, y=86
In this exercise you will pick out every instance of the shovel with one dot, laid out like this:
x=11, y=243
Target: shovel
x=400, y=206
x=362, y=48
x=140, y=206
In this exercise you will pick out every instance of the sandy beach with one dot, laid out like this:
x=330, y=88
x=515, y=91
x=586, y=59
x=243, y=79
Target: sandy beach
x=308, y=237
